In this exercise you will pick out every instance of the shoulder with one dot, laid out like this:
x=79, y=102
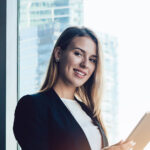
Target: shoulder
x=41, y=100
x=32, y=102
x=33, y=99
x=26, y=105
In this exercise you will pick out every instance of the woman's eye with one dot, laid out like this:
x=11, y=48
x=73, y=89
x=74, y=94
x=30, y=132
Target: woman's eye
x=77, y=53
x=93, y=60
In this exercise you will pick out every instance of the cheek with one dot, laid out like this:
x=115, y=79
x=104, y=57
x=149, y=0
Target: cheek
x=71, y=60
x=92, y=68
x=68, y=62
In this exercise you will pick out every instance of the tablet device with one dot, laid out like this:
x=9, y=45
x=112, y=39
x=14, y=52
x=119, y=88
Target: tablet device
x=141, y=133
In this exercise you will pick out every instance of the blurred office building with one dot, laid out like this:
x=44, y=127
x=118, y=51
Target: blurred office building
x=110, y=101
x=40, y=23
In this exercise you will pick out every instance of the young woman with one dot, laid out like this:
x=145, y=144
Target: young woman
x=65, y=113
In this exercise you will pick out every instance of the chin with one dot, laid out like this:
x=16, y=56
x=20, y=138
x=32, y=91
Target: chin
x=78, y=84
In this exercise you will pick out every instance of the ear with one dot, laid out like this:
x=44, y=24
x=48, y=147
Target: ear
x=57, y=53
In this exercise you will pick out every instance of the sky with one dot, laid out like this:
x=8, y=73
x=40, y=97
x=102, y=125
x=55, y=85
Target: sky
x=128, y=20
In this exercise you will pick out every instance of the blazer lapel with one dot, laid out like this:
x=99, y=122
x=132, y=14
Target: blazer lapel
x=81, y=138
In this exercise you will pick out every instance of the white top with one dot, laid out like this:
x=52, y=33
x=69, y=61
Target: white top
x=91, y=131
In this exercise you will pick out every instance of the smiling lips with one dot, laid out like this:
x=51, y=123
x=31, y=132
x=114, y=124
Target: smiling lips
x=79, y=73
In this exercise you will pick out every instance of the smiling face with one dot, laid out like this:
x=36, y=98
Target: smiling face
x=78, y=62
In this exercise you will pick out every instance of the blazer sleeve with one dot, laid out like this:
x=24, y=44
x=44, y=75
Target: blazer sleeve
x=30, y=128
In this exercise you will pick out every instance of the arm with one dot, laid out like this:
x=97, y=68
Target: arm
x=30, y=129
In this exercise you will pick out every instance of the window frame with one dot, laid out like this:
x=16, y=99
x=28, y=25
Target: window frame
x=2, y=75
x=8, y=72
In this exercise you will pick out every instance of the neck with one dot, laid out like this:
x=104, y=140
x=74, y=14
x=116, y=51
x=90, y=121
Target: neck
x=64, y=91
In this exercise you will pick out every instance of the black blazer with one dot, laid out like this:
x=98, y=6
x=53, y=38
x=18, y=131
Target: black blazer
x=43, y=122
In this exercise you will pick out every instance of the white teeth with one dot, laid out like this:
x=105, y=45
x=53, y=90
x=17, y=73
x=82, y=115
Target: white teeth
x=82, y=74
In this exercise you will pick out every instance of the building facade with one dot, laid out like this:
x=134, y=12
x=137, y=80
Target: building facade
x=40, y=23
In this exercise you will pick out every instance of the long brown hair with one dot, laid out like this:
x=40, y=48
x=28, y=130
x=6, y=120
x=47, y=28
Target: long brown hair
x=91, y=92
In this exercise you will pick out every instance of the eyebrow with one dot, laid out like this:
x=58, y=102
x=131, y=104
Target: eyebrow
x=84, y=51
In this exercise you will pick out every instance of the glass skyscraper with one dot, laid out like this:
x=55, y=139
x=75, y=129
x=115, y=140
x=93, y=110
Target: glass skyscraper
x=110, y=103
x=40, y=23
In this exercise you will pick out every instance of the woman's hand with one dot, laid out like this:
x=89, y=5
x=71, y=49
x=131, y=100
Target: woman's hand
x=122, y=145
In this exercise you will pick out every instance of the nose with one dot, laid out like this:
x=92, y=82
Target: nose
x=84, y=63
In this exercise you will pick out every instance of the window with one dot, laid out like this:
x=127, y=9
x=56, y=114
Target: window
x=31, y=35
